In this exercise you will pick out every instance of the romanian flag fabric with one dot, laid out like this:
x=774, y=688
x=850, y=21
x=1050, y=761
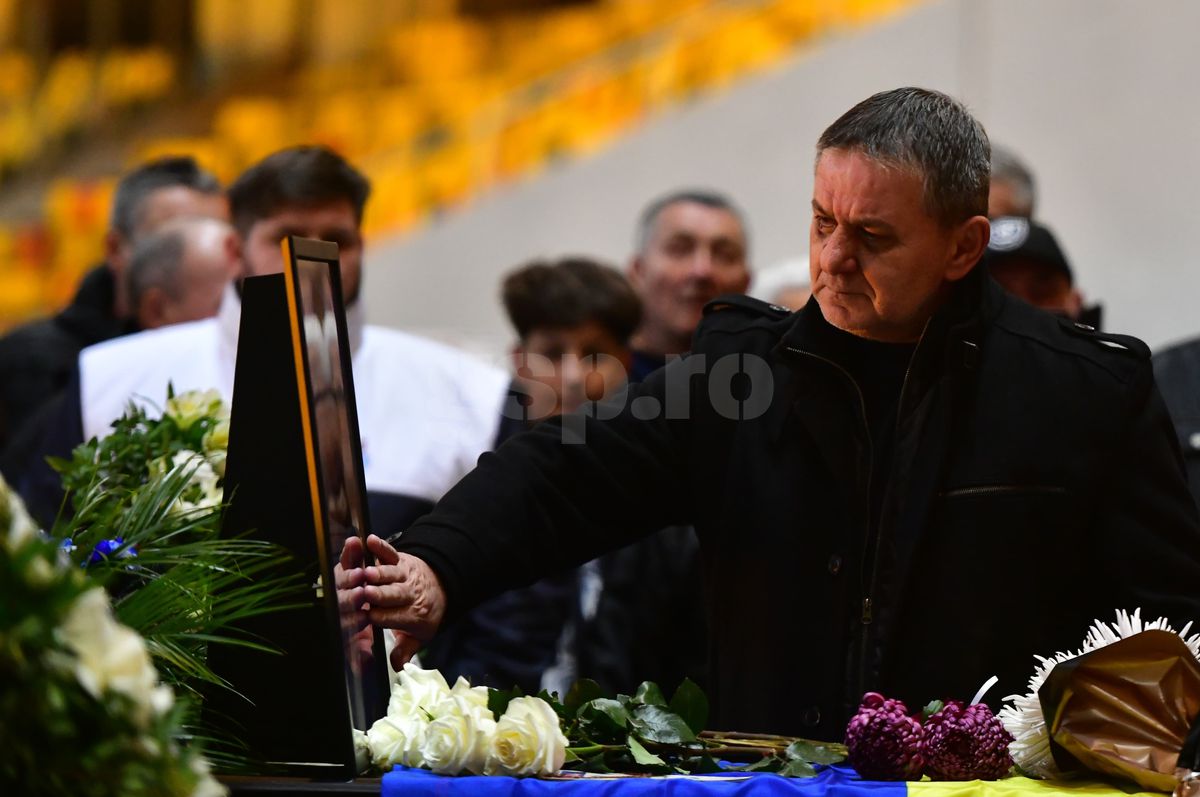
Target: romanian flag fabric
x=829, y=782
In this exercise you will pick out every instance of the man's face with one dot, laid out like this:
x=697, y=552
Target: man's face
x=330, y=221
x=1002, y=200
x=207, y=270
x=565, y=367
x=1041, y=285
x=159, y=207
x=694, y=254
x=880, y=263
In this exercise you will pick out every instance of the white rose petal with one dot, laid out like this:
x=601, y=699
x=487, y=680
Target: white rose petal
x=527, y=740
x=417, y=692
x=207, y=785
x=187, y=408
x=20, y=525
x=112, y=656
x=476, y=695
x=459, y=738
x=396, y=741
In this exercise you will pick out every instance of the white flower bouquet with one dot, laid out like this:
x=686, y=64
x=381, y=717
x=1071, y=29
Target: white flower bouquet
x=82, y=711
x=452, y=730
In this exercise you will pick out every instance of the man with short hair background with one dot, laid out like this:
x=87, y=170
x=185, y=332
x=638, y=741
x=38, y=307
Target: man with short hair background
x=912, y=484
x=426, y=411
x=690, y=247
x=36, y=360
x=180, y=272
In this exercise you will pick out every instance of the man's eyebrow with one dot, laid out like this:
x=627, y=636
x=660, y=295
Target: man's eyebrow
x=874, y=222
x=865, y=221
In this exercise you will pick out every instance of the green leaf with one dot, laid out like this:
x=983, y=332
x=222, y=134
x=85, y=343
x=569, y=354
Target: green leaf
x=643, y=756
x=657, y=724
x=691, y=704
x=703, y=765
x=797, y=769
x=648, y=694
x=498, y=700
x=551, y=699
x=570, y=757
x=812, y=753
x=768, y=763
x=933, y=707
x=582, y=691
x=604, y=718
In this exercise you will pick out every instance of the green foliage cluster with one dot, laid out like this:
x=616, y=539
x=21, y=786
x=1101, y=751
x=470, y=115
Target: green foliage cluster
x=56, y=737
x=646, y=733
x=135, y=528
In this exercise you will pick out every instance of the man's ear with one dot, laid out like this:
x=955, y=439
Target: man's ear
x=517, y=355
x=970, y=241
x=116, y=253
x=634, y=271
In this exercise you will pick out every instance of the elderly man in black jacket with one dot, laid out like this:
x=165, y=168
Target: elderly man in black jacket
x=910, y=485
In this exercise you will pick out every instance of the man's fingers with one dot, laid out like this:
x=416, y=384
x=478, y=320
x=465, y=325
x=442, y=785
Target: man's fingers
x=384, y=553
x=352, y=554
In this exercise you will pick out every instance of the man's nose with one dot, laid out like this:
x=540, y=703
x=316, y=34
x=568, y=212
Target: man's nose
x=571, y=370
x=837, y=255
x=701, y=264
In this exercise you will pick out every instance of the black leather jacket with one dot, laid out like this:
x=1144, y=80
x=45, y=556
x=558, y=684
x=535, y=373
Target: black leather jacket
x=1177, y=370
x=1036, y=485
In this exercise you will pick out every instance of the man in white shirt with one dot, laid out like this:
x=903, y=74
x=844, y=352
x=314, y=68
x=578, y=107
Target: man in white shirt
x=426, y=411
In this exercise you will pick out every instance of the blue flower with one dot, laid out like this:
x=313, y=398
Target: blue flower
x=106, y=548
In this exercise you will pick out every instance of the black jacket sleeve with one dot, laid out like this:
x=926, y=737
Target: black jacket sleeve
x=1145, y=519
x=562, y=493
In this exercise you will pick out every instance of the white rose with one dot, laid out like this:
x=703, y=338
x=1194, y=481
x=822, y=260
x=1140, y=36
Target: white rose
x=206, y=784
x=12, y=511
x=112, y=656
x=475, y=695
x=458, y=739
x=527, y=740
x=417, y=692
x=187, y=408
x=396, y=741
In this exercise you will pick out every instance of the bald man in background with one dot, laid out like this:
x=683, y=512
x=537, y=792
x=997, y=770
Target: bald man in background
x=179, y=273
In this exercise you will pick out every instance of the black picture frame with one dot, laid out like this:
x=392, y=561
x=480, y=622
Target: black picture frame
x=295, y=712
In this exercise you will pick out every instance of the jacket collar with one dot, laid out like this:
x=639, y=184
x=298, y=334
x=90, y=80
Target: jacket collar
x=89, y=316
x=952, y=337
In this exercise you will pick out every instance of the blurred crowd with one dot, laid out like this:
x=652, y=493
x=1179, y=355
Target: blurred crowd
x=163, y=306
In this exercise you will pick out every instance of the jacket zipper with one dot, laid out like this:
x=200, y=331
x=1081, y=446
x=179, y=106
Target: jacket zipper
x=867, y=604
x=867, y=612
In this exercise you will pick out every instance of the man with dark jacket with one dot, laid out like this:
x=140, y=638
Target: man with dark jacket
x=912, y=484
x=37, y=359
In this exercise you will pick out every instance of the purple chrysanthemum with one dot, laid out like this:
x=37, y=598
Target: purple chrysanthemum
x=883, y=741
x=966, y=743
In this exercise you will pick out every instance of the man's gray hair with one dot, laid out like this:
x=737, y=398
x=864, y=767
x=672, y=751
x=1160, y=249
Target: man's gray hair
x=157, y=262
x=1008, y=168
x=928, y=132
x=696, y=196
x=134, y=188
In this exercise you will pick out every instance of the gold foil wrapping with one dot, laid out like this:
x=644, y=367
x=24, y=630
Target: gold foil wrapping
x=1124, y=710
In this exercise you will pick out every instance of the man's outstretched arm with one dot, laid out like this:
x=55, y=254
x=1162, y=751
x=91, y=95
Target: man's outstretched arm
x=548, y=499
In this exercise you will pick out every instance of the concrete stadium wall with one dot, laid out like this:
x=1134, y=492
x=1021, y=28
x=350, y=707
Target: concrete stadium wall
x=1097, y=95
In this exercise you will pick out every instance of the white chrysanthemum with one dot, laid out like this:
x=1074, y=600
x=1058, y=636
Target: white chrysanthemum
x=1024, y=719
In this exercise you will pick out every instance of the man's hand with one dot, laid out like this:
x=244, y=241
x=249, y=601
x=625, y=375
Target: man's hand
x=405, y=595
x=348, y=578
